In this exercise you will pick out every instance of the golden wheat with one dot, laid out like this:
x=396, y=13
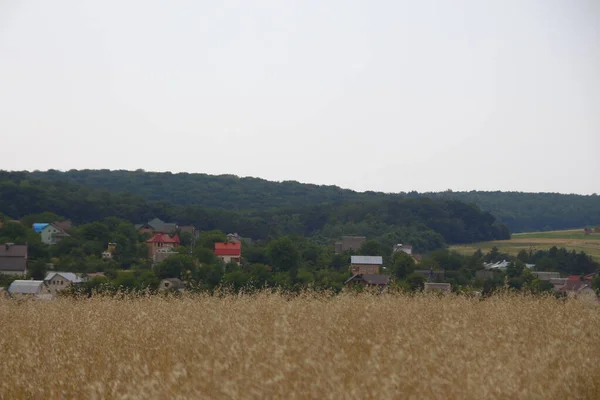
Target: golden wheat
x=310, y=346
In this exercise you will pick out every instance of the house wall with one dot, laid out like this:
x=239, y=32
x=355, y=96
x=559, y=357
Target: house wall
x=587, y=294
x=228, y=259
x=364, y=268
x=57, y=283
x=47, y=234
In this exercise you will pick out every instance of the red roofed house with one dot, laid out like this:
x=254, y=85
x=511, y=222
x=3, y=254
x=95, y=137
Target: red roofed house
x=229, y=252
x=161, y=240
x=578, y=286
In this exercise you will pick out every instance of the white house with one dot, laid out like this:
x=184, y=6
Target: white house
x=50, y=233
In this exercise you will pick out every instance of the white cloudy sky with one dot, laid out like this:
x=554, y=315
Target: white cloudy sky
x=383, y=95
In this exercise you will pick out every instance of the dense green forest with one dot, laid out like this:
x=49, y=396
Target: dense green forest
x=425, y=223
x=521, y=212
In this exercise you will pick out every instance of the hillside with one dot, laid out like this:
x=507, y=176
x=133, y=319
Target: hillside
x=423, y=222
x=519, y=211
x=572, y=240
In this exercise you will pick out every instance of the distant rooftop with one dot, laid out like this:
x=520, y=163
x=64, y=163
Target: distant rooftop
x=372, y=260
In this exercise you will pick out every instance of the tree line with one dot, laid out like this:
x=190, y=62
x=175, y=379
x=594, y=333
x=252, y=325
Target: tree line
x=425, y=223
x=520, y=212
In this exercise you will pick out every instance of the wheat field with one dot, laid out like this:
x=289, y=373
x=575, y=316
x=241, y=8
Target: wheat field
x=350, y=346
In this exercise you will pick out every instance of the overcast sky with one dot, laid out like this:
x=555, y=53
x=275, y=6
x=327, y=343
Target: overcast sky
x=369, y=95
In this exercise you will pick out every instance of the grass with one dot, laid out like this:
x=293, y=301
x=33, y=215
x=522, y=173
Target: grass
x=306, y=347
x=573, y=239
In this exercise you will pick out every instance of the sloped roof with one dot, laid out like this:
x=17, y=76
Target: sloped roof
x=39, y=226
x=372, y=279
x=162, y=238
x=13, y=257
x=160, y=226
x=575, y=285
x=374, y=260
x=26, y=287
x=63, y=225
x=71, y=277
x=228, y=249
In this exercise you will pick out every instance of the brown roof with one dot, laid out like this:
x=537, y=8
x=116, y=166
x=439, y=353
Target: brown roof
x=573, y=285
x=63, y=225
x=372, y=279
x=13, y=257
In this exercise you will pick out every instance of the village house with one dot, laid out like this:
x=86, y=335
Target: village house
x=234, y=237
x=50, y=233
x=161, y=240
x=36, y=289
x=13, y=259
x=368, y=280
x=580, y=287
x=171, y=284
x=57, y=281
x=349, y=243
x=162, y=253
x=108, y=253
x=437, y=287
x=406, y=248
x=229, y=252
x=365, y=264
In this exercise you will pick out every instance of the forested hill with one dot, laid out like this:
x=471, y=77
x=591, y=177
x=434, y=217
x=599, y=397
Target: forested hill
x=519, y=211
x=427, y=224
x=216, y=191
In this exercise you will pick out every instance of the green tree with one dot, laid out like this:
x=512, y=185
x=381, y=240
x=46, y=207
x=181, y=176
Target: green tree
x=283, y=254
x=415, y=282
x=371, y=248
x=403, y=266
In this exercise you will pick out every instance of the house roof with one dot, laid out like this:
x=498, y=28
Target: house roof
x=71, y=277
x=39, y=226
x=371, y=279
x=13, y=257
x=26, y=287
x=163, y=238
x=374, y=260
x=63, y=225
x=228, y=249
x=159, y=225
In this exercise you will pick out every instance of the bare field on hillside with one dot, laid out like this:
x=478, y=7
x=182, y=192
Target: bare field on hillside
x=573, y=239
x=306, y=347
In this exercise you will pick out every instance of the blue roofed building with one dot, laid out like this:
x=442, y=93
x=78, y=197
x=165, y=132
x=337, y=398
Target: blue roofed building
x=50, y=233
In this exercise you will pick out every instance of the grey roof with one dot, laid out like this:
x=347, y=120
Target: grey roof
x=374, y=260
x=544, y=275
x=159, y=225
x=69, y=276
x=372, y=279
x=13, y=257
x=26, y=287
